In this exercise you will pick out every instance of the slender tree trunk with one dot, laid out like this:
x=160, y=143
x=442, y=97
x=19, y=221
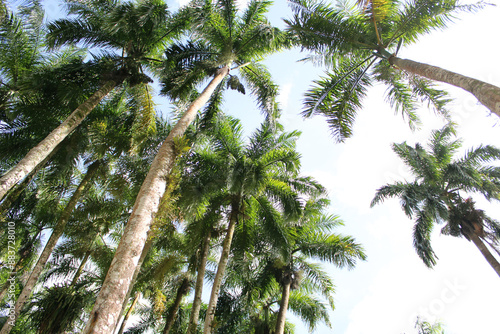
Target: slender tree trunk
x=49, y=246
x=198, y=289
x=486, y=252
x=145, y=251
x=129, y=312
x=172, y=312
x=37, y=154
x=107, y=307
x=80, y=268
x=285, y=297
x=221, y=268
x=487, y=94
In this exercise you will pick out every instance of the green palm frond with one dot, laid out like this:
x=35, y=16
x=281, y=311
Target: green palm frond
x=309, y=309
x=338, y=97
x=262, y=87
x=421, y=239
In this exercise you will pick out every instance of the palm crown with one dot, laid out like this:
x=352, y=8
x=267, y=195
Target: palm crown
x=437, y=192
x=359, y=44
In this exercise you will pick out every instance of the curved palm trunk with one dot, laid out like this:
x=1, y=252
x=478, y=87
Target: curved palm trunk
x=107, y=307
x=129, y=312
x=285, y=297
x=487, y=94
x=49, y=247
x=172, y=312
x=38, y=153
x=198, y=289
x=486, y=252
x=221, y=268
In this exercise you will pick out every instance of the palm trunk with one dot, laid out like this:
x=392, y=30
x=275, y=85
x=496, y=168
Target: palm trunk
x=486, y=252
x=221, y=268
x=129, y=312
x=487, y=94
x=198, y=289
x=285, y=297
x=145, y=251
x=50, y=245
x=80, y=268
x=37, y=154
x=172, y=312
x=107, y=307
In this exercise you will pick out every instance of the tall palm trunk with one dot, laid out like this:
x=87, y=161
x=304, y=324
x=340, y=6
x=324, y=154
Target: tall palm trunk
x=145, y=251
x=107, y=307
x=38, y=153
x=486, y=252
x=285, y=297
x=129, y=312
x=198, y=288
x=487, y=94
x=172, y=311
x=49, y=247
x=221, y=268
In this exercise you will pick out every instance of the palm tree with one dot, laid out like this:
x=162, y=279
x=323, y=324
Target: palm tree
x=311, y=237
x=361, y=46
x=437, y=193
x=237, y=40
x=136, y=30
x=253, y=182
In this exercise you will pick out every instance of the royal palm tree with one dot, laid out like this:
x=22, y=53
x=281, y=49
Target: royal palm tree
x=361, y=46
x=439, y=193
x=251, y=183
x=312, y=238
x=132, y=34
x=236, y=40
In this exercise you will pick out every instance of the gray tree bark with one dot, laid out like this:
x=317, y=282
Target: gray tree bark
x=487, y=94
x=486, y=252
x=221, y=268
x=50, y=245
x=198, y=288
x=285, y=297
x=108, y=304
x=38, y=153
x=172, y=312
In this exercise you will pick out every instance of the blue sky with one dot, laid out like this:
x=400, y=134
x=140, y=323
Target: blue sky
x=387, y=292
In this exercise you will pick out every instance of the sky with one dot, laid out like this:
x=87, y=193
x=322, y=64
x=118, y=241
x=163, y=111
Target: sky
x=387, y=292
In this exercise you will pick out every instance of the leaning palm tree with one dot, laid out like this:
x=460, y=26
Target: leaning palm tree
x=132, y=35
x=439, y=193
x=361, y=46
x=237, y=40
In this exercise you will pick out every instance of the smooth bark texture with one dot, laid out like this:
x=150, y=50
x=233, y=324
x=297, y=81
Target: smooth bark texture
x=106, y=311
x=37, y=154
x=486, y=252
x=285, y=297
x=198, y=288
x=487, y=94
x=172, y=312
x=50, y=245
x=129, y=312
x=221, y=268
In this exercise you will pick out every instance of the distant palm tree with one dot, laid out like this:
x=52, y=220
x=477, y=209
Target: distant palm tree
x=361, y=46
x=247, y=181
x=437, y=193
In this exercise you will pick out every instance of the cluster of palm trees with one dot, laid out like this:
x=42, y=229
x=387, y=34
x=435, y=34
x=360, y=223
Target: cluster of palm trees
x=120, y=213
